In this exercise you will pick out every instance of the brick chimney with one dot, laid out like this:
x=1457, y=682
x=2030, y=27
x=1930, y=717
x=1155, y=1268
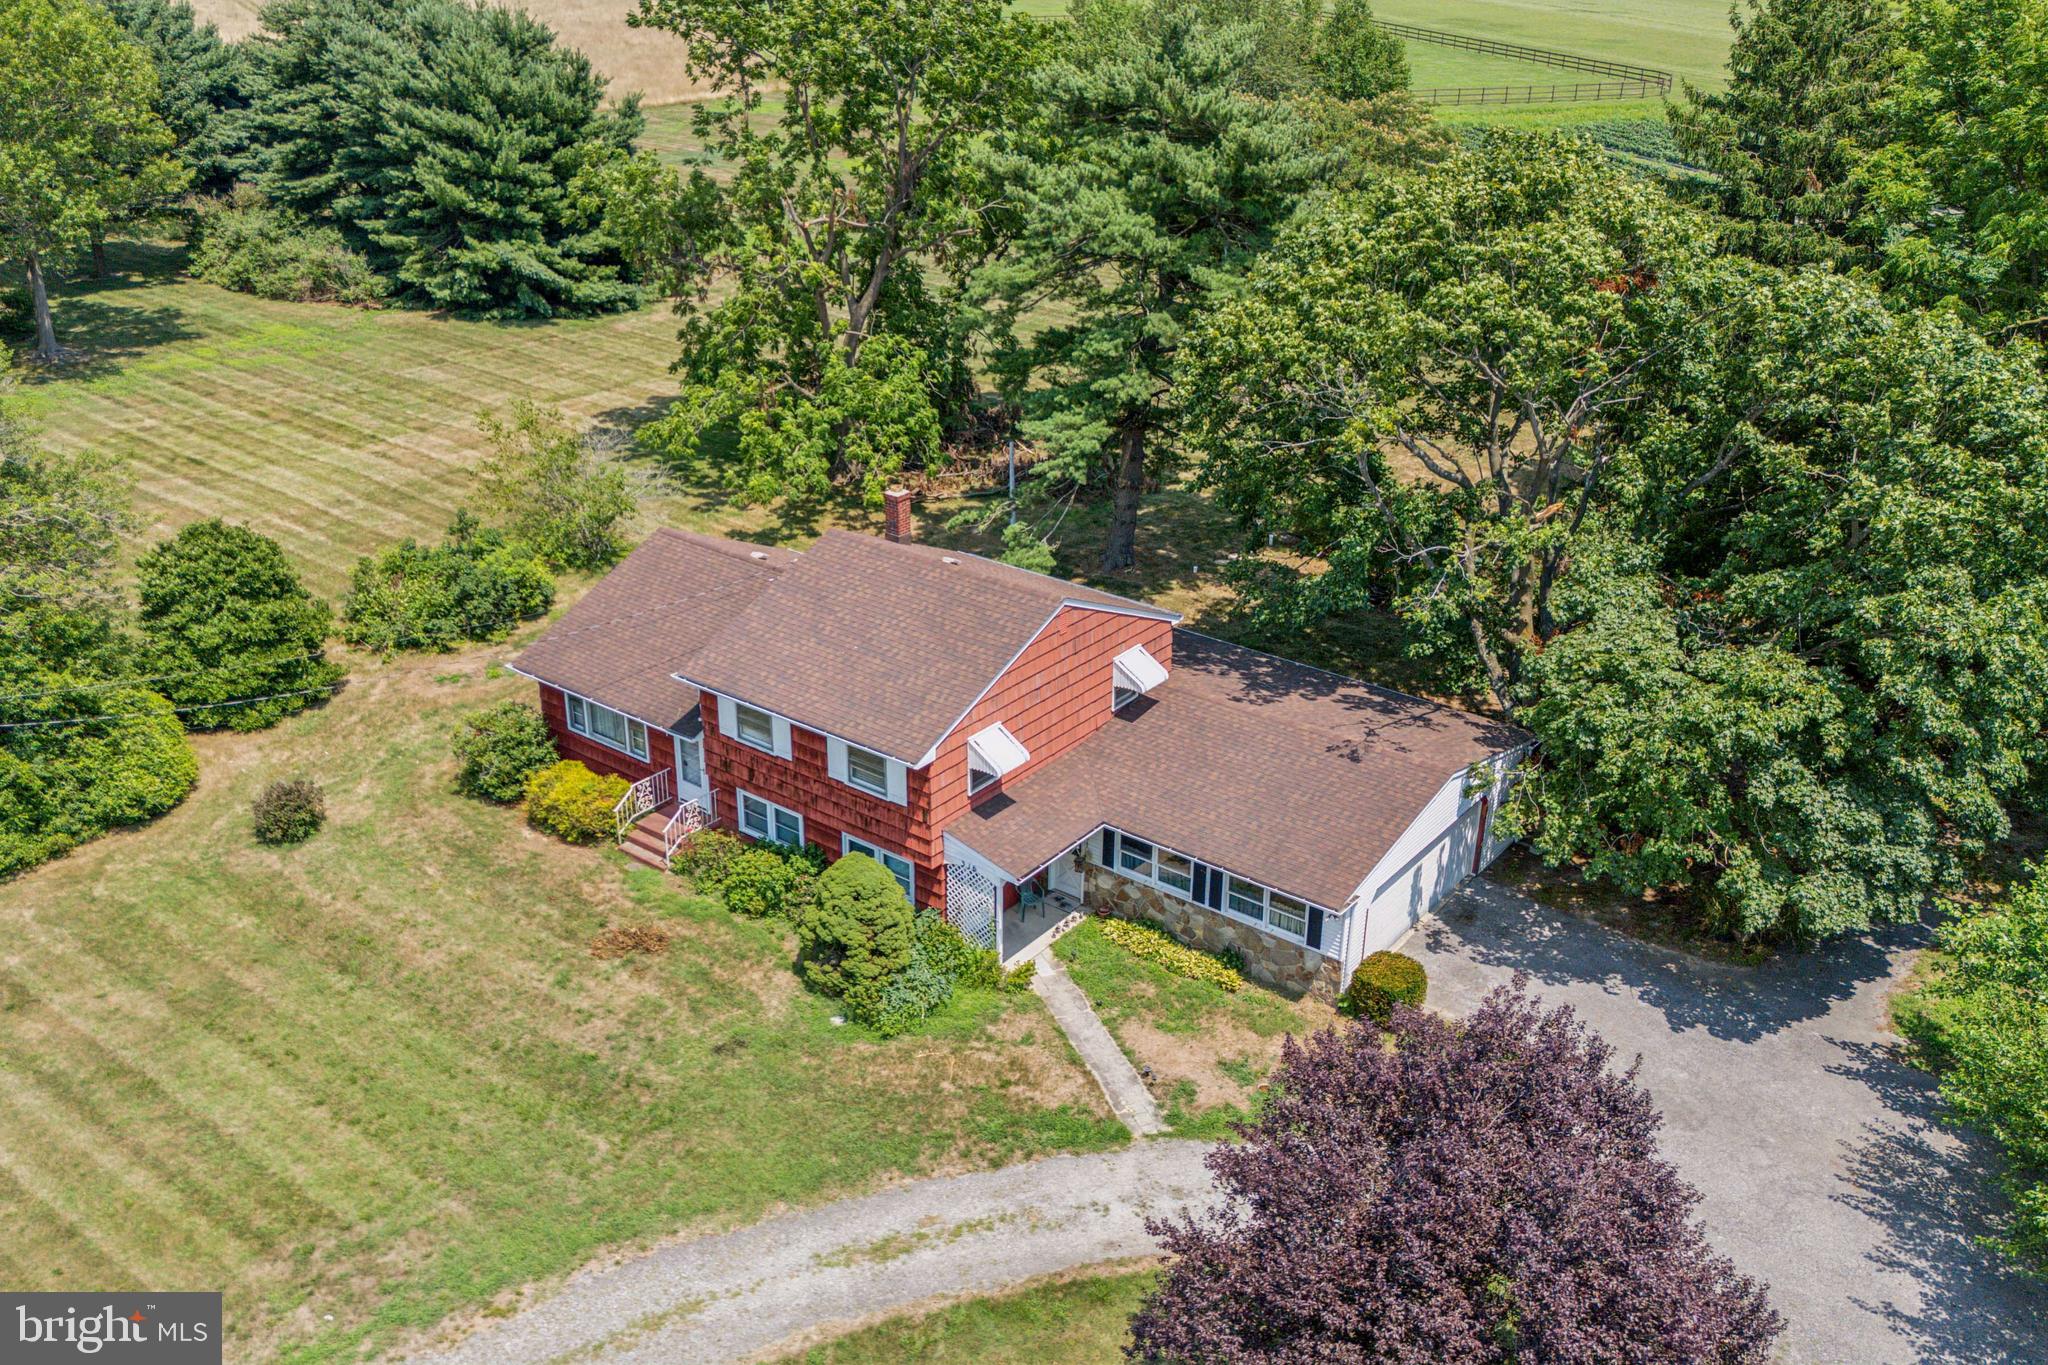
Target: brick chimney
x=896, y=523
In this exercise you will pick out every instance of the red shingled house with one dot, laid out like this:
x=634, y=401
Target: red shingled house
x=1013, y=746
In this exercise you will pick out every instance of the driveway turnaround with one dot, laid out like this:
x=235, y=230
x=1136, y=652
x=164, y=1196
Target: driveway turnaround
x=1824, y=1169
x=736, y=1295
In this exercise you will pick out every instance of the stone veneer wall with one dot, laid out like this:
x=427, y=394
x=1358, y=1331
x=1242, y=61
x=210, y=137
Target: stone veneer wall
x=1280, y=963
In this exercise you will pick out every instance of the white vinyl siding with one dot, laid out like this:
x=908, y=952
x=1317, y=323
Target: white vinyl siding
x=765, y=820
x=608, y=727
x=899, y=867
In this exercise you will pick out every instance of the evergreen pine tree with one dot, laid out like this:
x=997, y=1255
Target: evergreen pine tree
x=1804, y=104
x=202, y=87
x=443, y=139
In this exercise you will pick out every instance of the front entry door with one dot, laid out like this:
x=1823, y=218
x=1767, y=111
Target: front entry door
x=689, y=767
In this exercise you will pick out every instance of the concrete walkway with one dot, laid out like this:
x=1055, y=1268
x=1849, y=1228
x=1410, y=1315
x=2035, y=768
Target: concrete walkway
x=1112, y=1070
x=740, y=1294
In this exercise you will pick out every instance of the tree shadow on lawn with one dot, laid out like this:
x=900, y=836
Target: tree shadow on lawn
x=102, y=323
x=1930, y=1187
x=1504, y=931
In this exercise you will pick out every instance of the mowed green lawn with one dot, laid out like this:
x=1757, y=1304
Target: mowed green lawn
x=336, y=430
x=378, y=1079
x=1074, y=1321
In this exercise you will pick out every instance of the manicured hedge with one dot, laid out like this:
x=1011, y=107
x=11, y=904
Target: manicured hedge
x=1382, y=981
x=1144, y=939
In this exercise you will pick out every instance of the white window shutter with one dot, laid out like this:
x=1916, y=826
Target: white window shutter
x=835, y=757
x=782, y=746
x=899, y=783
x=728, y=718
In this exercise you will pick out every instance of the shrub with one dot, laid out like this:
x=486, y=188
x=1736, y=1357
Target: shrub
x=500, y=749
x=224, y=618
x=941, y=959
x=756, y=881
x=1493, y=1183
x=1142, y=938
x=1381, y=982
x=571, y=802
x=705, y=856
x=245, y=244
x=289, y=812
x=474, y=586
x=1018, y=978
x=63, y=784
x=549, y=490
x=859, y=934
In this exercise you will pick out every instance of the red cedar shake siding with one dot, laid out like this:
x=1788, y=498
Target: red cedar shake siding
x=596, y=756
x=1054, y=696
x=803, y=783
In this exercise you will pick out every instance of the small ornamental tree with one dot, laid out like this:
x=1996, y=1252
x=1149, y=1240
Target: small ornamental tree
x=226, y=622
x=1485, y=1191
x=548, y=489
x=860, y=932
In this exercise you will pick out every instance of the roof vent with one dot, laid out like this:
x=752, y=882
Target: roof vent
x=758, y=554
x=948, y=559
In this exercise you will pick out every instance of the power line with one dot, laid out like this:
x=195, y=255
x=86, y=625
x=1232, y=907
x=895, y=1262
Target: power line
x=156, y=677
x=175, y=710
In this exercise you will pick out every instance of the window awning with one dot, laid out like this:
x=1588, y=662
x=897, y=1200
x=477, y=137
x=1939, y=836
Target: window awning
x=997, y=750
x=1137, y=670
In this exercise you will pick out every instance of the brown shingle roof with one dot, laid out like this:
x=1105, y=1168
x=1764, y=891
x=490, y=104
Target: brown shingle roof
x=884, y=644
x=622, y=643
x=1276, y=771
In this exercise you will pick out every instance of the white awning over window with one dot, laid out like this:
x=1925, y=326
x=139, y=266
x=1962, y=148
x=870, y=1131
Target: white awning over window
x=1137, y=670
x=997, y=750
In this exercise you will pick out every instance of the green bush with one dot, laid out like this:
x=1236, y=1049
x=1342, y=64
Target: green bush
x=941, y=960
x=63, y=784
x=289, y=812
x=568, y=800
x=500, y=749
x=244, y=244
x=1381, y=982
x=474, y=586
x=859, y=934
x=756, y=881
x=224, y=619
x=550, y=490
x=705, y=856
x=1142, y=938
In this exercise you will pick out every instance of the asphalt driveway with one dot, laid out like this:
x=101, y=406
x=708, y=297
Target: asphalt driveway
x=1824, y=1169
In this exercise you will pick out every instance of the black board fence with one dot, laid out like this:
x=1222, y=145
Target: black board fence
x=1630, y=81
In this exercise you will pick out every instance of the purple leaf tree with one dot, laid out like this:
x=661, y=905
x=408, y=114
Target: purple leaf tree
x=1451, y=1193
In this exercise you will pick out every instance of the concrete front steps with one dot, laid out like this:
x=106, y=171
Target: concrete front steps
x=643, y=841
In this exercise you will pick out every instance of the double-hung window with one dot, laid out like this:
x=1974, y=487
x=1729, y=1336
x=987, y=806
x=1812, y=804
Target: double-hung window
x=1134, y=856
x=1175, y=873
x=1247, y=899
x=766, y=820
x=607, y=726
x=756, y=727
x=899, y=868
x=1287, y=914
x=867, y=770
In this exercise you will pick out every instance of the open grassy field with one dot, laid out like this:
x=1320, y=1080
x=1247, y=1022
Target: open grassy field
x=1206, y=1051
x=1080, y=1320
x=378, y=1079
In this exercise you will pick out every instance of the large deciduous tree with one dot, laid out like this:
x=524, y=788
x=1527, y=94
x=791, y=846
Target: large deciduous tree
x=1804, y=104
x=1803, y=679
x=1478, y=1193
x=1957, y=202
x=1155, y=180
x=849, y=129
x=1429, y=382
x=80, y=142
x=445, y=140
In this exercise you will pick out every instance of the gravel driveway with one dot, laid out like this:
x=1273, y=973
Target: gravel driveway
x=1785, y=1100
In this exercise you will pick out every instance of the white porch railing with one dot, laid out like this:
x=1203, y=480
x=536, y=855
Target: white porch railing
x=649, y=793
x=688, y=819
